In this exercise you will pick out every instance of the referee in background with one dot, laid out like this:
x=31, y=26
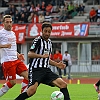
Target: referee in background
x=39, y=71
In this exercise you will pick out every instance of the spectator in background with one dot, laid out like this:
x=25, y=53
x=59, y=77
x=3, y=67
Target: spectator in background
x=32, y=8
x=81, y=10
x=41, y=18
x=22, y=7
x=13, y=9
x=64, y=15
x=43, y=8
x=66, y=5
x=35, y=18
x=67, y=58
x=98, y=14
x=30, y=17
x=16, y=16
x=38, y=7
x=57, y=58
x=47, y=17
x=8, y=10
x=49, y=8
x=26, y=13
x=65, y=61
x=23, y=18
x=70, y=8
x=92, y=15
x=77, y=8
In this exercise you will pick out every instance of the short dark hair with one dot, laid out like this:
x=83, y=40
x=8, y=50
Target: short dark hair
x=66, y=51
x=6, y=16
x=46, y=24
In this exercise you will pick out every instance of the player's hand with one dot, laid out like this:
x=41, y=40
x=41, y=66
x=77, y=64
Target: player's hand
x=45, y=55
x=8, y=46
x=21, y=57
x=61, y=65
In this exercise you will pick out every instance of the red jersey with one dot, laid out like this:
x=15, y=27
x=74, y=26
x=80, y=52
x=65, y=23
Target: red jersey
x=57, y=57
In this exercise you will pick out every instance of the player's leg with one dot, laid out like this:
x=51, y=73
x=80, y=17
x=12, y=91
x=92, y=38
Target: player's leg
x=22, y=71
x=35, y=78
x=30, y=91
x=96, y=86
x=53, y=79
x=65, y=71
x=24, y=84
x=69, y=70
x=63, y=87
x=10, y=74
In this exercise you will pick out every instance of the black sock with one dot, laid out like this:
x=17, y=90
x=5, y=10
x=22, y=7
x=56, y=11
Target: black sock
x=98, y=83
x=22, y=96
x=66, y=93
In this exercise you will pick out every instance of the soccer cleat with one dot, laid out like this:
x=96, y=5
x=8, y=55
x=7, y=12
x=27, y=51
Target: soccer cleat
x=98, y=96
x=96, y=88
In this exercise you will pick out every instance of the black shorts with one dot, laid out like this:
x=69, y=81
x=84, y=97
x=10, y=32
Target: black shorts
x=42, y=75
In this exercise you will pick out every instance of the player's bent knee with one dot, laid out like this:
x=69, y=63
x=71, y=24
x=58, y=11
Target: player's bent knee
x=24, y=74
x=63, y=85
x=12, y=82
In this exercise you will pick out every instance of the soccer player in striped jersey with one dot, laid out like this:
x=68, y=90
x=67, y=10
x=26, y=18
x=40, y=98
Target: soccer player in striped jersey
x=11, y=60
x=39, y=71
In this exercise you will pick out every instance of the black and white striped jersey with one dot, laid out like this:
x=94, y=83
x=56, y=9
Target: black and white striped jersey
x=40, y=46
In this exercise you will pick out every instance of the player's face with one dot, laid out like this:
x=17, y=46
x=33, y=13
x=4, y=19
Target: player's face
x=8, y=24
x=46, y=33
x=66, y=54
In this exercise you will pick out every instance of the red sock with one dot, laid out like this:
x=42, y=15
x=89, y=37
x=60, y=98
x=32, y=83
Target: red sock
x=9, y=85
x=24, y=85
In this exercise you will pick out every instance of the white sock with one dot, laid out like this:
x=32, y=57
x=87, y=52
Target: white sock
x=4, y=89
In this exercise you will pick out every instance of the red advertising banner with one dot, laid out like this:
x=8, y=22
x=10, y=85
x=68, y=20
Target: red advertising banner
x=62, y=29
x=20, y=31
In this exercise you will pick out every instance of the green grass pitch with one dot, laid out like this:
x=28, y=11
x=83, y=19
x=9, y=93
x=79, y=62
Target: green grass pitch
x=77, y=92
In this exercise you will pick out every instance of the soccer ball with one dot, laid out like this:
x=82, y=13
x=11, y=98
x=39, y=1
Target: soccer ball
x=57, y=95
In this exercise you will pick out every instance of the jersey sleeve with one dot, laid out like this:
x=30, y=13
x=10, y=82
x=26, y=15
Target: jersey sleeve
x=35, y=44
x=51, y=48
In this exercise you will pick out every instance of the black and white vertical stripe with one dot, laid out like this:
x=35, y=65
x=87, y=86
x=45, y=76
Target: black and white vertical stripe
x=40, y=47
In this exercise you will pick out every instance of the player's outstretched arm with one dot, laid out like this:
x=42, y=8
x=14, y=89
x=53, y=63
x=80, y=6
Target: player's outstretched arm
x=59, y=65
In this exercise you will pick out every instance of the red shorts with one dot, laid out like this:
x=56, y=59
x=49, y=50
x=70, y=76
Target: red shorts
x=11, y=68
